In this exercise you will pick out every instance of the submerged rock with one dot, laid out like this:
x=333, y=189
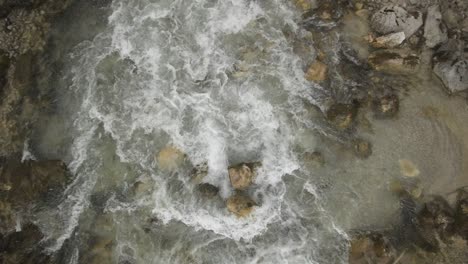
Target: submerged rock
x=314, y=159
x=435, y=31
x=170, y=158
x=199, y=172
x=240, y=205
x=391, y=40
x=408, y=168
x=317, y=72
x=207, y=190
x=461, y=214
x=435, y=222
x=394, y=18
x=386, y=106
x=23, y=247
x=242, y=175
x=371, y=247
x=362, y=148
x=341, y=115
x=394, y=61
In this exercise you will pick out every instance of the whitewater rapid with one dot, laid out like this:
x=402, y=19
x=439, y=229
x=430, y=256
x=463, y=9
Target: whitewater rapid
x=218, y=80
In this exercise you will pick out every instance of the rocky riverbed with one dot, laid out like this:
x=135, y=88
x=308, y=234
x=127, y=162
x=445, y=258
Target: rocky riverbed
x=290, y=131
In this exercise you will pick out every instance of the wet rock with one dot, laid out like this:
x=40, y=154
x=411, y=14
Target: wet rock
x=31, y=180
x=388, y=41
x=141, y=187
x=371, y=247
x=435, y=31
x=170, y=158
x=341, y=115
x=408, y=168
x=386, y=106
x=394, y=61
x=325, y=17
x=242, y=175
x=362, y=148
x=100, y=251
x=394, y=18
x=461, y=214
x=207, y=190
x=7, y=217
x=453, y=73
x=317, y=72
x=240, y=205
x=4, y=65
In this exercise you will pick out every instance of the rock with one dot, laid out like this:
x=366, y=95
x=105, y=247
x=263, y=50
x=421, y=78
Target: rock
x=207, y=190
x=408, y=168
x=461, y=214
x=386, y=106
x=435, y=31
x=31, y=180
x=317, y=72
x=388, y=41
x=362, y=148
x=371, y=247
x=453, y=73
x=394, y=61
x=242, y=175
x=325, y=17
x=240, y=205
x=7, y=217
x=304, y=5
x=170, y=158
x=393, y=18
x=141, y=187
x=341, y=115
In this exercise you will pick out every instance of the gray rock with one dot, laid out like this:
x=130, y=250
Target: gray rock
x=435, y=31
x=393, y=18
x=453, y=73
x=391, y=40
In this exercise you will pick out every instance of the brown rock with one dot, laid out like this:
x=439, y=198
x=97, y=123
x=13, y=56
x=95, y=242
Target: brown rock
x=242, y=175
x=388, y=41
x=170, y=158
x=314, y=159
x=317, y=72
x=240, y=205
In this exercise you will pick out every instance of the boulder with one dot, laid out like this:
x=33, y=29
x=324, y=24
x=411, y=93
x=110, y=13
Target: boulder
x=170, y=158
x=394, y=61
x=317, y=72
x=314, y=160
x=435, y=31
x=242, y=175
x=199, y=172
x=393, y=18
x=240, y=205
x=386, y=106
x=391, y=40
x=453, y=73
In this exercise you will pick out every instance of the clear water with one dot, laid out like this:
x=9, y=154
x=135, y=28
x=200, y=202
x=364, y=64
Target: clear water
x=219, y=80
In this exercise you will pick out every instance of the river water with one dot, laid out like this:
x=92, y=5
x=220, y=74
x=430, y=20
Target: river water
x=220, y=81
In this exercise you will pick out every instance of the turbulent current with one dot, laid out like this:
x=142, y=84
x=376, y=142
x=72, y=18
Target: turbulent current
x=219, y=81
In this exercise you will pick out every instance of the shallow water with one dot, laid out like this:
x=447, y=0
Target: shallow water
x=219, y=80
